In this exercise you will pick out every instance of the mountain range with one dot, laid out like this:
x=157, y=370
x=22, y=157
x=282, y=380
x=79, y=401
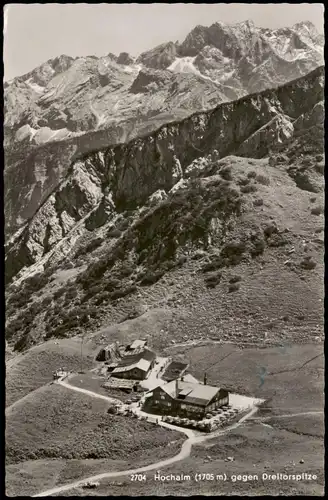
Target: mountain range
x=235, y=189
x=70, y=106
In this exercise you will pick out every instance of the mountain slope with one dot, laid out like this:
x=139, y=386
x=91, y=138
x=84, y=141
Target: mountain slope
x=133, y=220
x=69, y=106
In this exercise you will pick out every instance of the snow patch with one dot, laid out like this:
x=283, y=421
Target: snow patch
x=226, y=76
x=24, y=132
x=183, y=65
x=34, y=86
x=46, y=134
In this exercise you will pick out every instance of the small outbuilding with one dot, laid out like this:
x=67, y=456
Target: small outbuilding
x=135, y=366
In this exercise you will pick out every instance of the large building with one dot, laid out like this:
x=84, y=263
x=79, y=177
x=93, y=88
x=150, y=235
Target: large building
x=135, y=366
x=186, y=399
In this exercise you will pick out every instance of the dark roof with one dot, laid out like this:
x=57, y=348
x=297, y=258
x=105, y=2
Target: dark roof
x=134, y=358
x=173, y=370
x=189, y=392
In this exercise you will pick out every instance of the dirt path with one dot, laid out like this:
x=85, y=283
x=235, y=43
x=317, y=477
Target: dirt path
x=184, y=452
x=287, y=415
x=92, y=394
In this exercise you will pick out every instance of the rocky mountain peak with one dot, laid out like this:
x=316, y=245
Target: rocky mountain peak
x=112, y=56
x=61, y=63
x=125, y=58
x=305, y=24
x=213, y=64
x=160, y=57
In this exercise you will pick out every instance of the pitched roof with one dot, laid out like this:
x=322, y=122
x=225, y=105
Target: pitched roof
x=134, y=358
x=142, y=364
x=138, y=343
x=199, y=394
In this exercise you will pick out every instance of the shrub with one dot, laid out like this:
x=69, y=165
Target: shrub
x=122, y=225
x=233, y=287
x=318, y=210
x=262, y=179
x=251, y=174
x=320, y=168
x=215, y=263
x=95, y=290
x=125, y=270
x=151, y=277
x=277, y=240
x=36, y=282
x=90, y=247
x=58, y=294
x=233, y=251
x=243, y=181
x=117, y=294
x=46, y=301
x=212, y=280
x=95, y=271
x=313, y=199
x=180, y=261
x=235, y=279
x=68, y=265
x=71, y=294
x=249, y=188
x=102, y=297
x=21, y=343
x=258, y=202
x=226, y=173
x=307, y=263
x=59, y=332
x=114, y=233
x=111, y=284
x=199, y=254
x=270, y=228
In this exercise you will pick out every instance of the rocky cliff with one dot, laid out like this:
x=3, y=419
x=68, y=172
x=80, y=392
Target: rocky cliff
x=108, y=182
x=68, y=106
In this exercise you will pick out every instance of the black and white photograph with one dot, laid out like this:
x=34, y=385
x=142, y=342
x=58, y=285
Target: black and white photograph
x=164, y=249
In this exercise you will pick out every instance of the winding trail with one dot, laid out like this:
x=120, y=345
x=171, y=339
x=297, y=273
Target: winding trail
x=287, y=415
x=64, y=383
x=191, y=440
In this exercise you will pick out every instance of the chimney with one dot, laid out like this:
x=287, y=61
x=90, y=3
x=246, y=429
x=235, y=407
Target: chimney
x=176, y=388
x=205, y=379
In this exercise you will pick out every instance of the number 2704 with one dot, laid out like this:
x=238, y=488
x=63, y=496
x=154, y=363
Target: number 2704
x=138, y=477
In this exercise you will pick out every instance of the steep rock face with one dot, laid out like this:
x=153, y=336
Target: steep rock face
x=42, y=75
x=124, y=58
x=123, y=177
x=75, y=198
x=56, y=133
x=144, y=165
x=87, y=101
x=160, y=57
x=150, y=80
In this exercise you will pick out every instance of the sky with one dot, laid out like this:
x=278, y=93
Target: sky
x=34, y=33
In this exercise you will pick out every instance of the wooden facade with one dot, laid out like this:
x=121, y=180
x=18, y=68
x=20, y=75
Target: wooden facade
x=135, y=366
x=135, y=374
x=163, y=403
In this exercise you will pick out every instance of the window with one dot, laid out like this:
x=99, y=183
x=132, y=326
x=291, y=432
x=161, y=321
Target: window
x=162, y=396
